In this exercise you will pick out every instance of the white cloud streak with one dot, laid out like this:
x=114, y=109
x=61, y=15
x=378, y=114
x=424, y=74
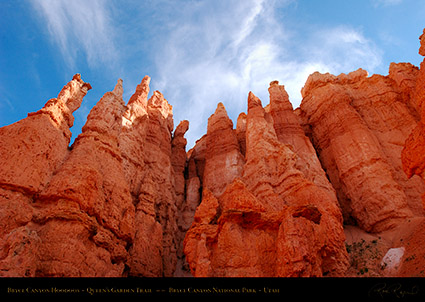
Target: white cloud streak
x=207, y=52
x=219, y=55
x=79, y=26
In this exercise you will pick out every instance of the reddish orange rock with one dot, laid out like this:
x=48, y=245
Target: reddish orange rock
x=87, y=204
x=266, y=158
x=287, y=185
x=109, y=203
x=241, y=132
x=178, y=161
x=289, y=131
x=245, y=231
x=413, y=155
x=36, y=146
x=359, y=145
x=32, y=150
x=157, y=186
x=224, y=160
x=145, y=253
x=273, y=197
x=155, y=178
x=414, y=152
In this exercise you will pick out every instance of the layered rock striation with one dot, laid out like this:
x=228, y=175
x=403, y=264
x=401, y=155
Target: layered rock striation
x=358, y=125
x=273, y=196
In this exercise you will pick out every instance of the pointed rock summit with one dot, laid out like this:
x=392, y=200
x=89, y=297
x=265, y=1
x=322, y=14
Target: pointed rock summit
x=140, y=96
x=138, y=103
x=88, y=199
x=223, y=159
x=253, y=102
x=257, y=214
x=118, y=90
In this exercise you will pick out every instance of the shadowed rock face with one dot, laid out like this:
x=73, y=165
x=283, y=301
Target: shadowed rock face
x=267, y=198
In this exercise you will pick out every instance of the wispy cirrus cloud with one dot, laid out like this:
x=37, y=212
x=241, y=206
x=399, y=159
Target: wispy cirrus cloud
x=343, y=49
x=80, y=27
x=205, y=52
x=219, y=53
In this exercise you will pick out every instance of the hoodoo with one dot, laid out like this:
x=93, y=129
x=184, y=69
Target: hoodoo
x=333, y=188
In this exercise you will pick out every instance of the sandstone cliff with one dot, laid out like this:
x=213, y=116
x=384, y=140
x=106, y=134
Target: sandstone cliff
x=333, y=188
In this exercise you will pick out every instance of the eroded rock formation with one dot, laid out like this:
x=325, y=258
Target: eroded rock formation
x=30, y=157
x=360, y=143
x=283, y=193
x=270, y=220
x=413, y=156
x=107, y=206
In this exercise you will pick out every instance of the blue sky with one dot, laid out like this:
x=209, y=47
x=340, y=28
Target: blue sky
x=198, y=53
